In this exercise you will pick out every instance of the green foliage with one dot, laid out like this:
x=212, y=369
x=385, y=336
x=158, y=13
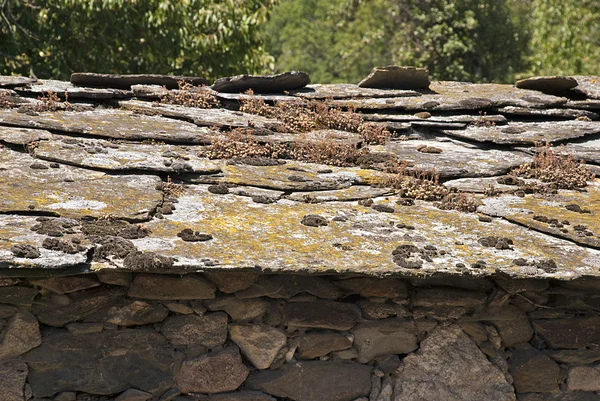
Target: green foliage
x=565, y=37
x=53, y=38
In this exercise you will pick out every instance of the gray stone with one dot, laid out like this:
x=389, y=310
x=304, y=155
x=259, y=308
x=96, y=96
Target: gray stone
x=240, y=310
x=572, y=333
x=213, y=373
x=242, y=396
x=127, y=80
x=579, y=357
x=563, y=396
x=321, y=315
x=396, y=77
x=588, y=85
x=262, y=83
x=230, y=282
x=103, y=363
x=22, y=136
x=374, y=287
x=136, y=313
x=13, y=375
x=13, y=81
x=584, y=378
x=58, y=310
x=167, y=287
x=21, y=335
x=65, y=285
x=450, y=367
x=314, y=345
x=66, y=396
x=21, y=296
x=389, y=336
x=63, y=89
x=568, y=114
x=286, y=286
x=259, y=343
x=533, y=371
x=209, y=330
x=133, y=394
x=379, y=310
x=7, y=311
x=182, y=309
x=116, y=278
x=445, y=296
x=548, y=84
x=303, y=381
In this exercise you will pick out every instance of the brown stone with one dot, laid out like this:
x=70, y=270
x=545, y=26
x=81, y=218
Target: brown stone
x=180, y=308
x=12, y=381
x=209, y=330
x=550, y=84
x=84, y=328
x=389, y=336
x=133, y=394
x=533, y=371
x=563, y=396
x=512, y=324
x=259, y=343
x=517, y=285
x=303, y=381
x=230, y=282
x=136, y=313
x=127, y=80
x=103, y=363
x=474, y=329
x=379, y=310
x=570, y=333
x=287, y=286
x=242, y=396
x=213, y=373
x=167, y=287
x=7, y=311
x=16, y=295
x=262, y=83
x=578, y=356
x=65, y=285
x=446, y=296
x=314, y=345
x=240, y=310
x=396, y=77
x=116, y=278
x=21, y=335
x=374, y=287
x=448, y=366
x=584, y=378
x=321, y=315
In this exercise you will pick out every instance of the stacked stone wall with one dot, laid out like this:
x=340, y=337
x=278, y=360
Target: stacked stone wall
x=243, y=336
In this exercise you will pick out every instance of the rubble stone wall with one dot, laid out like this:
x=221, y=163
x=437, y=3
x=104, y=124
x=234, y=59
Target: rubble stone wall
x=243, y=336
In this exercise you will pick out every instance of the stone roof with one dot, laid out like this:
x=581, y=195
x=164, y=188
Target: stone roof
x=456, y=179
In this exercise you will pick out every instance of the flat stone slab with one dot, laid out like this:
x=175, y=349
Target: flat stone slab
x=16, y=230
x=453, y=96
x=583, y=150
x=497, y=119
x=63, y=89
x=454, y=160
x=127, y=80
x=353, y=193
x=347, y=91
x=570, y=114
x=588, y=85
x=22, y=136
x=71, y=191
x=530, y=133
x=122, y=156
x=396, y=77
x=204, y=117
x=360, y=239
x=262, y=83
x=480, y=185
x=110, y=123
x=13, y=81
x=548, y=84
x=588, y=104
x=537, y=212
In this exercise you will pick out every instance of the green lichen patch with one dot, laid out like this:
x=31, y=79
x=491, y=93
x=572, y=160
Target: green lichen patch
x=570, y=214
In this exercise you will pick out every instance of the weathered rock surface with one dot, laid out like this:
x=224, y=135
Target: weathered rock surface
x=569, y=114
x=260, y=343
x=239, y=310
x=242, y=396
x=262, y=83
x=588, y=85
x=512, y=324
x=162, y=287
x=345, y=91
x=213, y=373
x=302, y=381
x=286, y=286
x=397, y=77
x=136, y=313
x=533, y=371
x=63, y=89
x=314, y=345
x=449, y=366
x=102, y=363
x=374, y=287
x=581, y=357
x=65, y=285
x=133, y=395
x=230, y=282
x=13, y=375
x=127, y=80
x=209, y=330
x=322, y=314
x=22, y=136
x=388, y=336
x=584, y=378
x=549, y=84
x=17, y=295
x=12, y=81
x=571, y=333
x=21, y=335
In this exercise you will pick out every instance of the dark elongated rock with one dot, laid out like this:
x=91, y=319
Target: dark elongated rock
x=533, y=371
x=322, y=314
x=262, y=83
x=571, y=333
x=12, y=381
x=303, y=381
x=209, y=330
x=21, y=335
x=65, y=285
x=125, y=81
x=10, y=81
x=550, y=84
x=397, y=77
x=101, y=363
x=163, y=287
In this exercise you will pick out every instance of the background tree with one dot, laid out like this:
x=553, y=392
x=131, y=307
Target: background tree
x=52, y=38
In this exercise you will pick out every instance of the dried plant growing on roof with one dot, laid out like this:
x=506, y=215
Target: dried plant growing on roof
x=191, y=96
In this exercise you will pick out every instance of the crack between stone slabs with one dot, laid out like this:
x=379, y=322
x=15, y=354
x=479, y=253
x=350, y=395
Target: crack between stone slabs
x=39, y=213
x=7, y=271
x=546, y=233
